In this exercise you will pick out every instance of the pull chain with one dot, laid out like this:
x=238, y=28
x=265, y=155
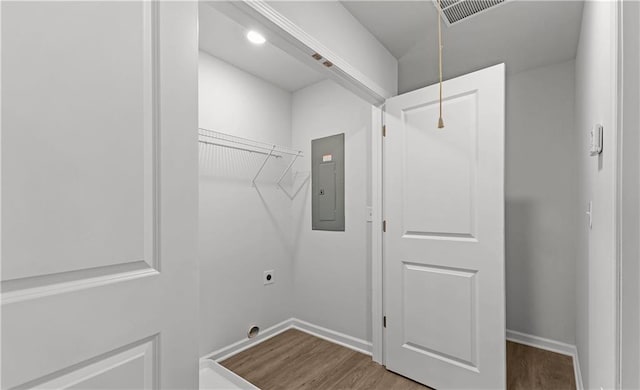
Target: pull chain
x=440, y=120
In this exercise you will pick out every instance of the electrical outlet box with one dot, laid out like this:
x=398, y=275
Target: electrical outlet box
x=268, y=277
x=596, y=140
x=327, y=183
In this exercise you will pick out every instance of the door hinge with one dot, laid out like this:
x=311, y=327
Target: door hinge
x=384, y=130
x=384, y=321
x=384, y=226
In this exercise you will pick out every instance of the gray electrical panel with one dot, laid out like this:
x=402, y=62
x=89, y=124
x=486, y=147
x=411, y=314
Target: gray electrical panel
x=327, y=183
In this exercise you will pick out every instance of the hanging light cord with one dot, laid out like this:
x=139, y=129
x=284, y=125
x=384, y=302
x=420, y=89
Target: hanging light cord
x=440, y=120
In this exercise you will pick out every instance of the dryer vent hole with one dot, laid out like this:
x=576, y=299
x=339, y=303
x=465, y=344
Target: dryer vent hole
x=253, y=332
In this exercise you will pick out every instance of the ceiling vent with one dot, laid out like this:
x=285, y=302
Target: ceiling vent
x=455, y=11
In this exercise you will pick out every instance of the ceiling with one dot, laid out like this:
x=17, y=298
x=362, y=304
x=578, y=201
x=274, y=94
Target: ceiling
x=524, y=34
x=266, y=61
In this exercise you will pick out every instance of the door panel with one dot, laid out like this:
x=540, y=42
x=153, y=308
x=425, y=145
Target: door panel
x=132, y=368
x=440, y=202
x=65, y=102
x=99, y=194
x=439, y=315
x=444, y=244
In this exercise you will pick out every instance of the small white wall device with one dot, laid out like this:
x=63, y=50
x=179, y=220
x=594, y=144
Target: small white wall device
x=596, y=140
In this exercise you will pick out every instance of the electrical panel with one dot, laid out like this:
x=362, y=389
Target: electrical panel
x=327, y=183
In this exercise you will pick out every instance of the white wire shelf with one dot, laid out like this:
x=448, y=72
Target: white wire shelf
x=217, y=138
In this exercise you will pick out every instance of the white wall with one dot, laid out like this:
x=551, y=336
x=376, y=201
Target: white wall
x=243, y=230
x=541, y=213
x=332, y=270
x=596, y=262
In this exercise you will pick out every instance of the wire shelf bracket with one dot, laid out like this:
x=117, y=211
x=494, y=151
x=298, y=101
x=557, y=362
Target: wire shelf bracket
x=291, y=195
x=253, y=182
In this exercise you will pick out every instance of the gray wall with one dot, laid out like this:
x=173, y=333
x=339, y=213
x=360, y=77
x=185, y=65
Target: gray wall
x=541, y=188
x=332, y=270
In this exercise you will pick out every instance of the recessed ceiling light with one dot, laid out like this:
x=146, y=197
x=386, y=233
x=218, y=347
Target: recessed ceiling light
x=255, y=37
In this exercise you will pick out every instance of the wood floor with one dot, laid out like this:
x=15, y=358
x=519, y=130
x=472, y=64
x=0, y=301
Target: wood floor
x=297, y=360
x=534, y=368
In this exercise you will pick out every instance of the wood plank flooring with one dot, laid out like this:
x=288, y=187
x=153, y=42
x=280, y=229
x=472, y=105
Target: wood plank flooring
x=530, y=368
x=297, y=360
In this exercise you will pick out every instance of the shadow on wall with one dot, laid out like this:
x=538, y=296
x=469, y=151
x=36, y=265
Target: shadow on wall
x=276, y=222
x=225, y=163
x=299, y=208
x=234, y=170
x=520, y=261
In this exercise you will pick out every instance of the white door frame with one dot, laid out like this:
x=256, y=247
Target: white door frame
x=294, y=40
x=377, y=266
x=628, y=195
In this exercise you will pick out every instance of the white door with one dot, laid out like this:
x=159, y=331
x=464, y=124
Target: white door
x=99, y=195
x=444, y=240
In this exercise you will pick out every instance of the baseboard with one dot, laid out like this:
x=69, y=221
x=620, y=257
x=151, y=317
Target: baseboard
x=541, y=342
x=345, y=340
x=239, y=346
x=576, y=369
x=549, y=345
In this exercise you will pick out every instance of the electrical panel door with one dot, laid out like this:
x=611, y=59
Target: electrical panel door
x=327, y=183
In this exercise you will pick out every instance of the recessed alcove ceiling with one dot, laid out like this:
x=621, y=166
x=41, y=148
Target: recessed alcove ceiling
x=523, y=34
x=265, y=61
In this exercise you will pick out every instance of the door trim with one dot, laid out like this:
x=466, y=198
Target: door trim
x=295, y=41
x=627, y=61
x=377, y=293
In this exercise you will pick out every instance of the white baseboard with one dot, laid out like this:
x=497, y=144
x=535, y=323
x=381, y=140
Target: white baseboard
x=576, y=369
x=549, y=345
x=350, y=342
x=541, y=342
x=345, y=340
x=239, y=346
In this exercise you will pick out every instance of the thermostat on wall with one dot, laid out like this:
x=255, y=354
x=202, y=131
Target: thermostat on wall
x=596, y=140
